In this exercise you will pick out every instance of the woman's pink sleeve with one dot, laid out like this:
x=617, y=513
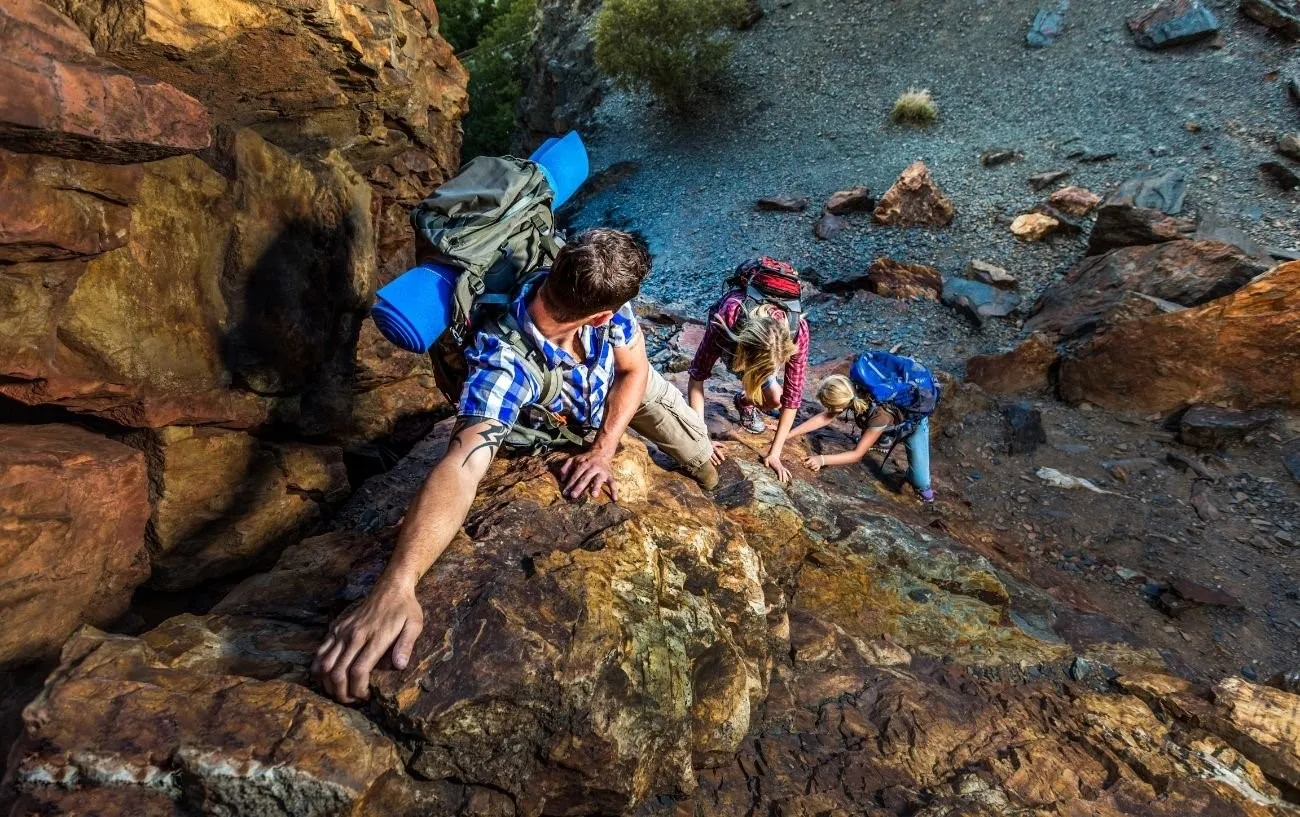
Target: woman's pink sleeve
x=796, y=370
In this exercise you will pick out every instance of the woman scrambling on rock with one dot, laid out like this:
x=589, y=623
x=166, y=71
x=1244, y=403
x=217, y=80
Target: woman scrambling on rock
x=887, y=396
x=758, y=330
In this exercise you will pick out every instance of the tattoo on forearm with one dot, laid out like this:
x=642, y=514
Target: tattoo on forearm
x=490, y=437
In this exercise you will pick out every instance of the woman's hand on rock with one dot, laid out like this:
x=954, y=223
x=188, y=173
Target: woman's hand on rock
x=719, y=455
x=773, y=461
x=390, y=617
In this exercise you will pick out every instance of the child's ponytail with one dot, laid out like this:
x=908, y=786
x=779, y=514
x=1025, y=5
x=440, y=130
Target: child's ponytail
x=836, y=394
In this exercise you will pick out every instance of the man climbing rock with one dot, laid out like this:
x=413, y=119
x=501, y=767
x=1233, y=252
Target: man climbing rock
x=576, y=320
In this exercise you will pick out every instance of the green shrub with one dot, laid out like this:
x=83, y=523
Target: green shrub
x=914, y=107
x=670, y=47
x=494, y=38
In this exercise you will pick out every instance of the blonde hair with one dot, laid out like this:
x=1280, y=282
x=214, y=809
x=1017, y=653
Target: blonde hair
x=763, y=345
x=836, y=393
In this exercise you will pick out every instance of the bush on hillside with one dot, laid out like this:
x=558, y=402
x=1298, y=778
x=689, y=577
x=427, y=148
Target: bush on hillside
x=670, y=47
x=914, y=107
x=494, y=37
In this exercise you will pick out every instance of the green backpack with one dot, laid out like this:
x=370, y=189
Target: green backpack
x=493, y=222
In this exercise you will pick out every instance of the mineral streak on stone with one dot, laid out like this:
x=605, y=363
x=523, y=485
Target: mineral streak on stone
x=914, y=200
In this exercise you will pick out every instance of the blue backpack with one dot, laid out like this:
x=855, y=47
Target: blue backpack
x=896, y=381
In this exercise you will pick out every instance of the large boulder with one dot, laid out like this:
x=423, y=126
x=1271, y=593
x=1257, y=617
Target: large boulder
x=805, y=648
x=73, y=509
x=57, y=97
x=1184, y=273
x=1120, y=223
x=624, y=672
x=1242, y=350
x=235, y=300
x=223, y=500
x=1027, y=368
x=178, y=719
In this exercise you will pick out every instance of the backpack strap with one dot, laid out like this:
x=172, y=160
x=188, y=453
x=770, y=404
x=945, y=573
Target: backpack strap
x=793, y=309
x=554, y=431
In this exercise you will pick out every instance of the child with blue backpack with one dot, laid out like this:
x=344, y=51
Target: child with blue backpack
x=887, y=396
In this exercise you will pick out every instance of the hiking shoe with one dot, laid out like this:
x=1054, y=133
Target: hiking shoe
x=751, y=419
x=927, y=496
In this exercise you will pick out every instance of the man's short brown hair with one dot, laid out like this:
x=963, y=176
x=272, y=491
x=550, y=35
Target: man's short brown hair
x=599, y=271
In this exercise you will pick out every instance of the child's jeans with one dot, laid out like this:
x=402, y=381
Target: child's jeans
x=918, y=456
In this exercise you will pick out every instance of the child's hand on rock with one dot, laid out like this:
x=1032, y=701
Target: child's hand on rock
x=813, y=463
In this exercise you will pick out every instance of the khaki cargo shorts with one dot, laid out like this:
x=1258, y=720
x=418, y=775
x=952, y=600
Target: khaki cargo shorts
x=666, y=419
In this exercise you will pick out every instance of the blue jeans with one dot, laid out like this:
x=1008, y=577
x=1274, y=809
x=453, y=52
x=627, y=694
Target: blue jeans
x=918, y=456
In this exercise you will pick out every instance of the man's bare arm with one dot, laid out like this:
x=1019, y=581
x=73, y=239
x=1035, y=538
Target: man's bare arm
x=391, y=616
x=590, y=471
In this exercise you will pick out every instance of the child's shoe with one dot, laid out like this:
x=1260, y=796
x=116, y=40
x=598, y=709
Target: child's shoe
x=927, y=496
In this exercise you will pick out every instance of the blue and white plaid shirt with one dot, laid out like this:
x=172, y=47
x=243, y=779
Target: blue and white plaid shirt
x=499, y=385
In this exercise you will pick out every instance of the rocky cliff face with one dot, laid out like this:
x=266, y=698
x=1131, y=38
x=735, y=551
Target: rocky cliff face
x=808, y=649
x=197, y=203
x=563, y=86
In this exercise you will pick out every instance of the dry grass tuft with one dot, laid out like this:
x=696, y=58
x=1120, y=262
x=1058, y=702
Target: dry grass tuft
x=915, y=107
